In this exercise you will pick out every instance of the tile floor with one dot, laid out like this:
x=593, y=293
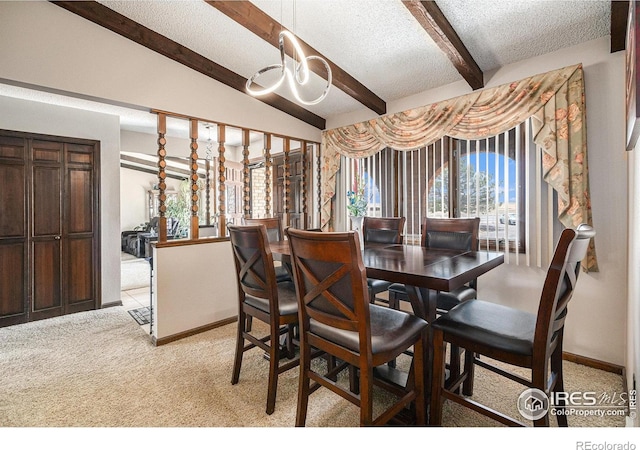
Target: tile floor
x=134, y=299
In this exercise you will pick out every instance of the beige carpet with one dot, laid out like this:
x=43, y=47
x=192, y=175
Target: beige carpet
x=134, y=273
x=99, y=369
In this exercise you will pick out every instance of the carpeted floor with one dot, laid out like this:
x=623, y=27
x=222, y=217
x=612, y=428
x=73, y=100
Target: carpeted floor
x=134, y=272
x=99, y=369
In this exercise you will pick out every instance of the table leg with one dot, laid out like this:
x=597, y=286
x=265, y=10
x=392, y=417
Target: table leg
x=424, y=306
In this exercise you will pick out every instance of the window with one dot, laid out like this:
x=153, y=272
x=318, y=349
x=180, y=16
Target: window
x=453, y=178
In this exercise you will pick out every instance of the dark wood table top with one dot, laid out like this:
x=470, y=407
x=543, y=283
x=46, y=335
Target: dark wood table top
x=430, y=268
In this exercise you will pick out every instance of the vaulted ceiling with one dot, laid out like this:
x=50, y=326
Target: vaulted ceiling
x=379, y=50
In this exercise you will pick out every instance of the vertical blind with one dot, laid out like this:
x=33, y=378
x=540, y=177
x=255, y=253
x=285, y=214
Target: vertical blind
x=497, y=178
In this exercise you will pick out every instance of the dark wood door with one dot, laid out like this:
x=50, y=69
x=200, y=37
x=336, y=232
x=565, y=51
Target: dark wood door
x=14, y=243
x=46, y=224
x=49, y=222
x=81, y=263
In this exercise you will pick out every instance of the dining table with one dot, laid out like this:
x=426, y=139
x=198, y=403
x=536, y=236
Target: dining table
x=420, y=269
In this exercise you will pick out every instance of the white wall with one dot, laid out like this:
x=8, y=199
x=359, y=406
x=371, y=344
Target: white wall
x=595, y=325
x=134, y=199
x=181, y=305
x=32, y=117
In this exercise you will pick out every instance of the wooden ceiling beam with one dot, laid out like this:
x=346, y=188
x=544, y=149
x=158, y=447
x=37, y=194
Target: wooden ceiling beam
x=431, y=18
x=262, y=25
x=116, y=22
x=619, y=19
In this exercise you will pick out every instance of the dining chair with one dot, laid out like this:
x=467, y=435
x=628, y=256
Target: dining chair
x=449, y=233
x=381, y=230
x=274, y=233
x=512, y=336
x=260, y=296
x=337, y=318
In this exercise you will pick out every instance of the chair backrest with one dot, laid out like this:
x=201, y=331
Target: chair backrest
x=383, y=230
x=272, y=224
x=331, y=283
x=559, y=286
x=455, y=233
x=254, y=264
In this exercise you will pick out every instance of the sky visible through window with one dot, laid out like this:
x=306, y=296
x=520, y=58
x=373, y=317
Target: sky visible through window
x=481, y=166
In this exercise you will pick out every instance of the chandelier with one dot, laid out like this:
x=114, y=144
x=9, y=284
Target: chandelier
x=296, y=77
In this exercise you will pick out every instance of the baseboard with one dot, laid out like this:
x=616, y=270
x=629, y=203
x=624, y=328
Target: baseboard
x=184, y=334
x=590, y=362
x=111, y=304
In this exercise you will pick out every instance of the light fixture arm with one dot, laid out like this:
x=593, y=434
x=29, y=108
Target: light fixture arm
x=301, y=70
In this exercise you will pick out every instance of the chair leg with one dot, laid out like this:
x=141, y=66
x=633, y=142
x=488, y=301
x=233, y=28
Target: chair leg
x=393, y=304
x=274, y=360
x=303, y=385
x=469, y=368
x=372, y=296
x=454, y=362
x=556, y=367
x=418, y=373
x=393, y=301
x=354, y=380
x=237, y=363
x=438, y=376
x=366, y=396
x=291, y=351
x=331, y=364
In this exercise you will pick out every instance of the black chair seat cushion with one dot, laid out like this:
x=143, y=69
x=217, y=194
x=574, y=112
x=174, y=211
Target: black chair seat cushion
x=390, y=329
x=287, y=300
x=490, y=324
x=445, y=300
x=377, y=285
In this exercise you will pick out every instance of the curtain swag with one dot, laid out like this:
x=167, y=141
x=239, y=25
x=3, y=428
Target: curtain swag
x=554, y=99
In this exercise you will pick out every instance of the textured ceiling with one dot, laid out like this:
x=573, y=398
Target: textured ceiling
x=377, y=41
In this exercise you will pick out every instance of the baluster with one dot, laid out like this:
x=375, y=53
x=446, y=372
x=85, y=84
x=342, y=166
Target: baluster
x=267, y=174
x=162, y=164
x=193, y=134
x=222, y=204
x=245, y=170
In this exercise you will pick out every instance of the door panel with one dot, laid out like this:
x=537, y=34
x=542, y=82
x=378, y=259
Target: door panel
x=80, y=218
x=79, y=283
x=13, y=283
x=13, y=231
x=12, y=200
x=46, y=201
x=80, y=252
x=47, y=295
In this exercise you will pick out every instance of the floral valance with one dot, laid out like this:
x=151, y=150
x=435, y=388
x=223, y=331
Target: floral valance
x=554, y=99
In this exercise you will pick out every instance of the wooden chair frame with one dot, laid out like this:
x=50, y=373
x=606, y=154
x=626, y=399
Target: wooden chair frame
x=545, y=360
x=259, y=266
x=339, y=254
